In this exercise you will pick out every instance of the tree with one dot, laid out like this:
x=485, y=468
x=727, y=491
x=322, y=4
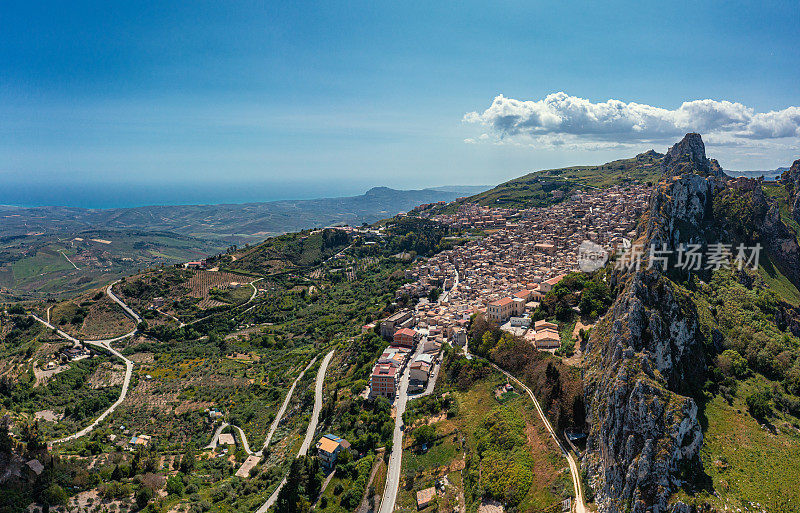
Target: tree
x=758, y=404
x=188, y=461
x=175, y=485
x=731, y=363
x=302, y=486
x=16, y=309
x=31, y=436
x=143, y=496
x=425, y=434
x=54, y=495
x=6, y=442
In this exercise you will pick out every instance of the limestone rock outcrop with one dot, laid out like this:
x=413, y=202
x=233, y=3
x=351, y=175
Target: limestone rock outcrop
x=791, y=180
x=647, y=354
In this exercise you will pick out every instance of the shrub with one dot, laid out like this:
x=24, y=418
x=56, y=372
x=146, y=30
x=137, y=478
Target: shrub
x=425, y=434
x=758, y=404
x=731, y=363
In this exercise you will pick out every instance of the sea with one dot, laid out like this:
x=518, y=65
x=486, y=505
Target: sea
x=124, y=195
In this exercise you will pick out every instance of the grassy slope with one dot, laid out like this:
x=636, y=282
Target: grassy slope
x=779, y=193
x=290, y=251
x=534, y=189
x=474, y=406
x=747, y=462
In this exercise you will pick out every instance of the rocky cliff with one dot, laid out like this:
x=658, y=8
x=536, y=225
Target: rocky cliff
x=791, y=180
x=689, y=157
x=648, y=355
x=743, y=212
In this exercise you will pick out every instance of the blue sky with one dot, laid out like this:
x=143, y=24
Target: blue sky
x=304, y=98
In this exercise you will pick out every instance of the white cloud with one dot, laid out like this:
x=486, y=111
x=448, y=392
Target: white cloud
x=568, y=121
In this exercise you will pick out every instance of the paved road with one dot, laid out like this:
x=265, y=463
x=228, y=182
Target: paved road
x=312, y=427
x=242, y=438
x=106, y=345
x=125, y=307
x=215, y=438
x=446, y=295
x=580, y=507
x=395, y=459
x=431, y=383
x=319, y=385
x=282, y=409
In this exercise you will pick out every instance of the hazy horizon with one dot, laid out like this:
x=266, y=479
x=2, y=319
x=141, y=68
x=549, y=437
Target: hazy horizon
x=404, y=95
x=123, y=195
x=108, y=195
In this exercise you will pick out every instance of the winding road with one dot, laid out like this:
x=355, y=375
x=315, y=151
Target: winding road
x=106, y=345
x=580, y=507
x=282, y=409
x=273, y=427
x=242, y=437
x=312, y=427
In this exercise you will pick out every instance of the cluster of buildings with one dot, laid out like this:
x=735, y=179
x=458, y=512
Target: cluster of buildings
x=505, y=274
x=416, y=348
x=474, y=216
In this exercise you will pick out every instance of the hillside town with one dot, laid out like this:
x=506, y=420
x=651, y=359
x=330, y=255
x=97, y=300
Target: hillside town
x=502, y=275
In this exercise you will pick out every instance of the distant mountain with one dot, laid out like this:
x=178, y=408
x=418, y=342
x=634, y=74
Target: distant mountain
x=64, y=249
x=232, y=223
x=768, y=174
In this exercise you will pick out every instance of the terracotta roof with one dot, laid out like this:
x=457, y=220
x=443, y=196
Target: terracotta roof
x=547, y=334
x=501, y=302
x=328, y=445
x=542, y=324
x=556, y=279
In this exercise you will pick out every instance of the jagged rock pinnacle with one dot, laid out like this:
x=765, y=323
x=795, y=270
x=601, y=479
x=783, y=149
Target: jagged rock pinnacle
x=689, y=156
x=791, y=180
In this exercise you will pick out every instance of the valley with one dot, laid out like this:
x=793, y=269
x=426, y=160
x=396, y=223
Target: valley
x=458, y=357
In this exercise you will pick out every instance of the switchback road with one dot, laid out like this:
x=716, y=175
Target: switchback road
x=106, y=345
x=312, y=427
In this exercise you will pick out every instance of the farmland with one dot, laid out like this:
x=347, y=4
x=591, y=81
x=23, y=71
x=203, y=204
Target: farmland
x=38, y=265
x=184, y=293
x=91, y=316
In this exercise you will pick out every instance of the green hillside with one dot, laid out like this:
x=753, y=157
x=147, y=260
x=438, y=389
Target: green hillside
x=538, y=189
x=290, y=251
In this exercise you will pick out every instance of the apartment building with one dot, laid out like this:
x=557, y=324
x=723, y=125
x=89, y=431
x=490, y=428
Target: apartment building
x=405, y=337
x=383, y=381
